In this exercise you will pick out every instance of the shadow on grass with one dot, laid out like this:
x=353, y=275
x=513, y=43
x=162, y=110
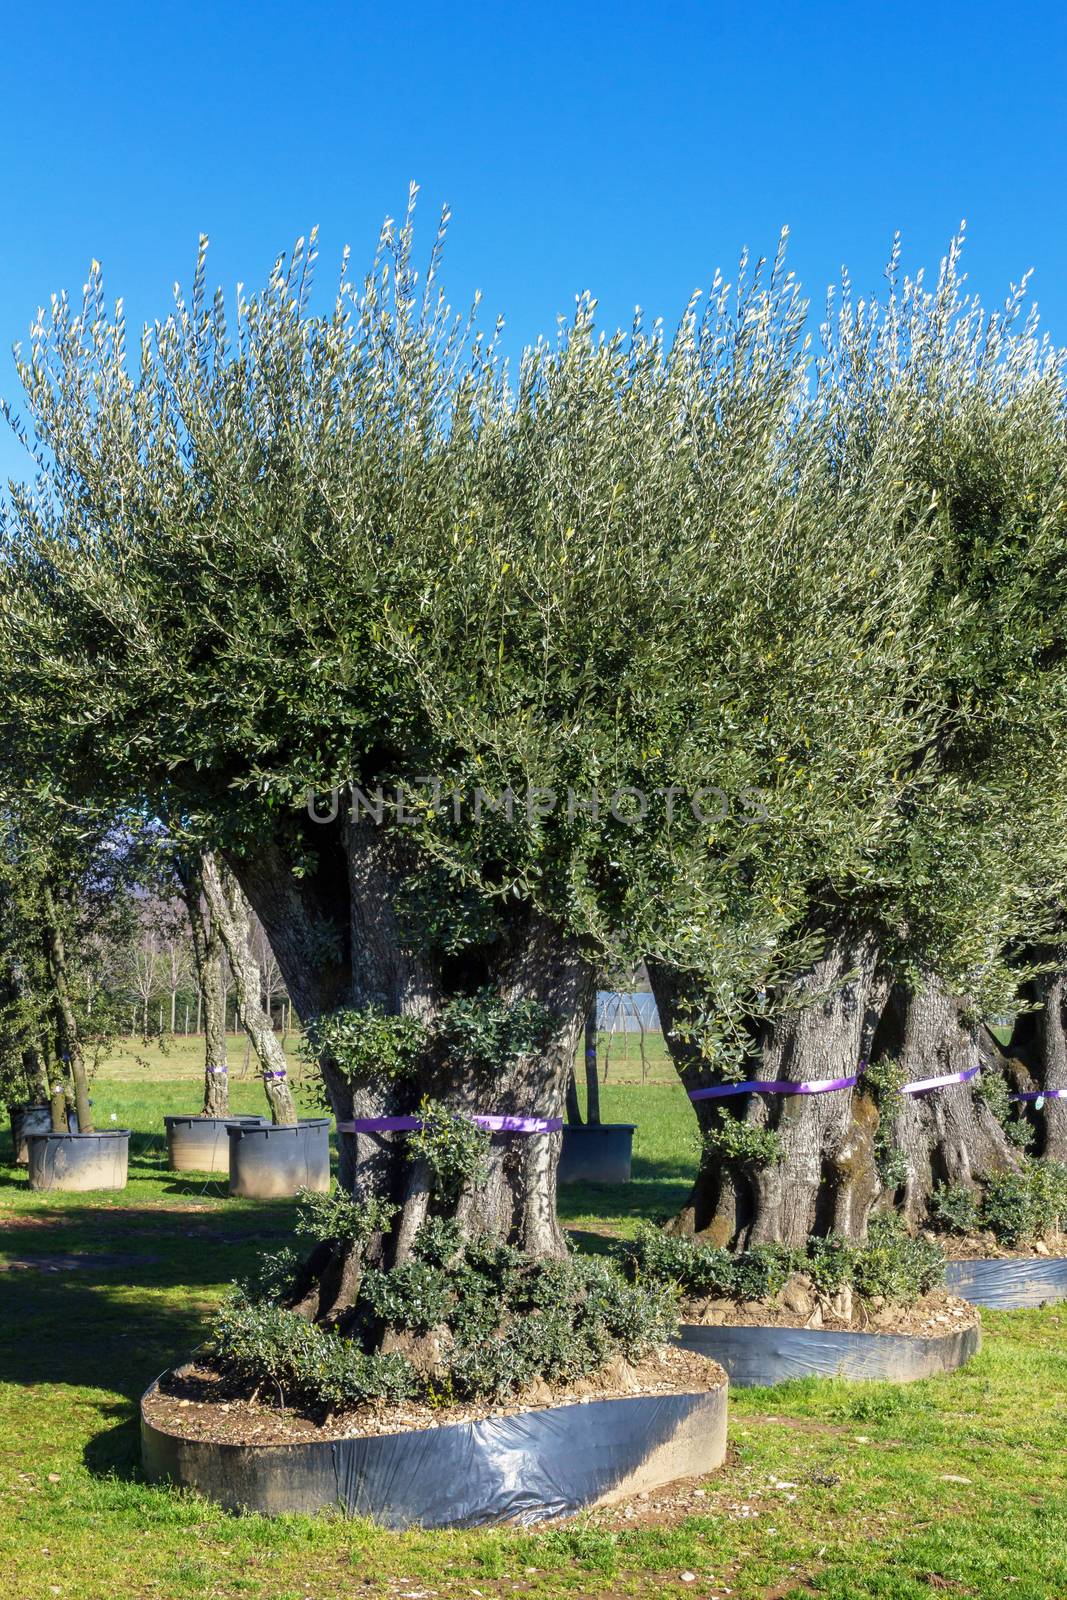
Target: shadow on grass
x=115, y=1452
x=106, y=1297
x=657, y=1190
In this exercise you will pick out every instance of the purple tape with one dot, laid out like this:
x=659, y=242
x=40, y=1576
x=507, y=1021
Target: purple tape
x=920, y=1085
x=776, y=1086
x=824, y=1085
x=494, y=1124
x=272, y=1074
x=216, y=1069
x=1041, y=1094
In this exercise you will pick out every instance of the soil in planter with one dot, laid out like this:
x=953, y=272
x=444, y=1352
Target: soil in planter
x=194, y=1402
x=799, y=1306
x=987, y=1247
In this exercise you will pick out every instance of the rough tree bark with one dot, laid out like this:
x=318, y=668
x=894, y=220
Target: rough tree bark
x=207, y=959
x=70, y=1047
x=229, y=914
x=949, y=1135
x=826, y=1179
x=339, y=943
x=1041, y=1034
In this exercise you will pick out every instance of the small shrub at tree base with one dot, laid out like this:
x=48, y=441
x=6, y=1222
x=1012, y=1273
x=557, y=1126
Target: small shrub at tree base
x=894, y=1266
x=338, y=1216
x=891, y=1265
x=698, y=1270
x=414, y=1295
x=830, y=1263
x=760, y=1273
x=265, y=1343
x=511, y=1318
x=954, y=1208
x=1017, y=1206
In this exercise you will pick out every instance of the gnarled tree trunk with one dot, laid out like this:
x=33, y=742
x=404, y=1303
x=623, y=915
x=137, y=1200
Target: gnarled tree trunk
x=339, y=943
x=824, y=1179
x=1042, y=1035
x=947, y=1135
x=229, y=914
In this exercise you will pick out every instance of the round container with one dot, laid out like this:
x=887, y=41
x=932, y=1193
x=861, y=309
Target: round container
x=519, y=1468
x=1009, y=1284
x=201, y=1144
x=26, y=1120
x=268, y=1162
x=755, y=1356
x=77, y=1161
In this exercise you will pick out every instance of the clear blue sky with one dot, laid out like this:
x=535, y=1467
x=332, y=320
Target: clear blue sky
x=628, y=149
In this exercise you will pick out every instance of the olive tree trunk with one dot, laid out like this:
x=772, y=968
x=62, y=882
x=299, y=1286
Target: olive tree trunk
x=1042, y=1034
x=339, y=943
x=70, y=1047
x=948, y=1135
x=229, y=914
x=817, y=1173
x=207, y=960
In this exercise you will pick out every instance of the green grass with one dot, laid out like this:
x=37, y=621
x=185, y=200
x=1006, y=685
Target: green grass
x=877, y=1509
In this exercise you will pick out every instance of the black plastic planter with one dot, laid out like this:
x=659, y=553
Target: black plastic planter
x=524, y=1468
x=1010, y=1284
x=26, y=1120
x=201, y=1144
x=599, y=1152
x=754, y=1356
x=267, y=1162
x=76, y=1161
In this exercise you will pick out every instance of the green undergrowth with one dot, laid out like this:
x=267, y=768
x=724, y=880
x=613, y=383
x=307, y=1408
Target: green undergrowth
x=891, y=1265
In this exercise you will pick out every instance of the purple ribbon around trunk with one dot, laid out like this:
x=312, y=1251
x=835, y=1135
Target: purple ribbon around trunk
x=946, y=1078
x=1042, y=1094
x=775, y=1086
x=216, y=1069
x=494, y=1124
x=824, y=1085
x=275, y=1074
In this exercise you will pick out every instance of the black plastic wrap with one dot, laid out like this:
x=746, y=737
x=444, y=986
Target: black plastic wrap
x=523, y=1468
x=754, y=1356
x=1011, y=1284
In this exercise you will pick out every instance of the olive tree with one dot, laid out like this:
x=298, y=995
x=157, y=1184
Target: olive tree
x=965, y=413
x=531, y=632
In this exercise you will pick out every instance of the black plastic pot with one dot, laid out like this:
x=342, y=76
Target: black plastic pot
x=599, y=1152
x=79, y=1160
x=201, y=1144
x=772, y=1355
x=1009, y=1285
x=548, y=1463
x=268, y=1162
x=25, y=1120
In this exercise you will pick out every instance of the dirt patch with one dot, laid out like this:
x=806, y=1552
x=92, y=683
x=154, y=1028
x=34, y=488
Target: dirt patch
x=195, y=1402
x=935, y=1313
x=986, y=1247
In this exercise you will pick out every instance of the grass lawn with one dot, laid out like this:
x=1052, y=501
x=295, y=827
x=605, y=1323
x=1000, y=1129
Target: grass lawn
x=953, y=1487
